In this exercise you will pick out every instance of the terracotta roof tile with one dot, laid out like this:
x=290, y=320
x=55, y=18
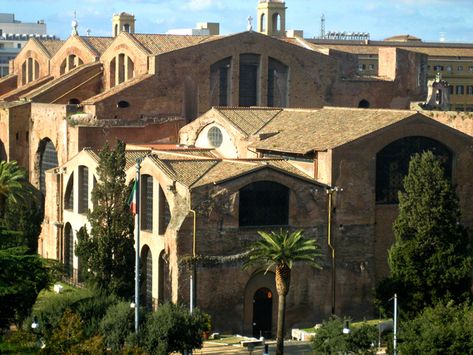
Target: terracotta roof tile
x=249, y=120
x=99, y=44
x=162, y=43
x=303, y=131
x=51, y=45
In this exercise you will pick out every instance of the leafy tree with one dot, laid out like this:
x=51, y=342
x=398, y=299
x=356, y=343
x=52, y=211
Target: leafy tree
x=108, y=249
x=329, y=338
x=26, y=219
x=430, y=260
x=14, y=185
x=173, y=329
x=443, y=330
x=22, y=277
x=281, y=250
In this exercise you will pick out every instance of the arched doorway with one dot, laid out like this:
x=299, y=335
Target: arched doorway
x=262, y=313
x=260, y=305
x=47, y=160
x=68, y=250
x=147, y=272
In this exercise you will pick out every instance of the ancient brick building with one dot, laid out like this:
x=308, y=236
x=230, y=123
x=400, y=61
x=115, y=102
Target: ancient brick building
x=252, y=140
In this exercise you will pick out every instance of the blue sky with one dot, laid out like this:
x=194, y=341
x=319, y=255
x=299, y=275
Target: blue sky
x=427, y=19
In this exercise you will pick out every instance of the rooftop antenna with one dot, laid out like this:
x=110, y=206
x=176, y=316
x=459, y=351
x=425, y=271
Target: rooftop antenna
x=322, y=26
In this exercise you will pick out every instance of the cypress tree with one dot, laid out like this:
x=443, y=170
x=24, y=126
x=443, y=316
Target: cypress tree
x=430, y=260
x=108, y=251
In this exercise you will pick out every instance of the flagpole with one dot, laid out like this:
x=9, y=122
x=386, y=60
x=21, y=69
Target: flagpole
x=137, y=245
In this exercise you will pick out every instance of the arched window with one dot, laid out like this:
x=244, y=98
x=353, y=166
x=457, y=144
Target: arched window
x=30, y=70
x=264, y=203
x=164, y=212
x=122, y=68
x=83, y=189
x=68, y=250
x=69, y=195
x=249, y=79
x=113, y=65
x=220, y=82
x=47, y=160
x=392, y=164
x=146, y=202
x=263, y=23
x=364, y=104
x=277, y=83
x=163, y=284
x=147, y=287
x=81, y=265
x=276, y=22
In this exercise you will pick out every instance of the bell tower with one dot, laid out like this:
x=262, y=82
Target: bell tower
x=123, y=22
x=272, y=17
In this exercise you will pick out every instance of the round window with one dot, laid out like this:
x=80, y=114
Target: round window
x=215, y=137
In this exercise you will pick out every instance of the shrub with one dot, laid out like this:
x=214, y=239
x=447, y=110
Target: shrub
x=444, y=329
x=172, y=328
x=117, y=325
x=329, y=338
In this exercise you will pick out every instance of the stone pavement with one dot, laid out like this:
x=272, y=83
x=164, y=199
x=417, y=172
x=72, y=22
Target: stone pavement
x=290, y=348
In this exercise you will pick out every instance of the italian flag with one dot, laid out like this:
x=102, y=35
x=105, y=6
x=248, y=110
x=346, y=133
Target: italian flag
x=132, y=199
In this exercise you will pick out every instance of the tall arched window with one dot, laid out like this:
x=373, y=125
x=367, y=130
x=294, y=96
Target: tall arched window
x=220, y=82
x=263, y=23
x=47, y=160
x=163, y=282
x=146, y=202
x=392, y=164
x=122, y=68
x=69, y=195
x=68, y=250
x=264, y=203
x=277, y=83
x=276, y=22
x=164, y=212
x=249, y=79
x=30, y=70
x=147, y=290
x=83, y=195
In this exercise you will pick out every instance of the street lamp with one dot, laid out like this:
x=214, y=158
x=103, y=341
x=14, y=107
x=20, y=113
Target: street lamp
x=35, y=327
x=346, y=328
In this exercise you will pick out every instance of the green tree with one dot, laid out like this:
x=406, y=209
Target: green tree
x=22, y=277
x=14, y=185
x=108, y=251
x=430, y=260
x=173, y=329
x=442, y=330
x=280, y=250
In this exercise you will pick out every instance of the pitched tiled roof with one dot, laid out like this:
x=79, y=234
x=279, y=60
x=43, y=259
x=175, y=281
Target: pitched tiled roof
x=132, y=155
x=162, y=43
x=194, y=171
x=63, y=78
x=51, y=45
x=99, y=44
x=249, y=120
x=303, y=131
x=25, y=89
x=116, y=89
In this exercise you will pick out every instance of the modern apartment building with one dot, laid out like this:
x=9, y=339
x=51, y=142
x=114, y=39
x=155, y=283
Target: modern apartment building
x=13, y=36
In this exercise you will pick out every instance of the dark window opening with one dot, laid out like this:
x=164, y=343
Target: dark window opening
x=164, y=212
x=277, y=83
x=364, y=104
x=264, y=203
x=47, y=160
x=123, y=104
x=74, y=102
x=69, y=195
x=146, y=202
x=249, y=78
x=392, y=164
x=147, y=276
x=220, y=82
x=68, y=250
x=83, y=189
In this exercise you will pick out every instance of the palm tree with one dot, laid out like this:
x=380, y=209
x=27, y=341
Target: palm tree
x=14, y=185
x=281, y=250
